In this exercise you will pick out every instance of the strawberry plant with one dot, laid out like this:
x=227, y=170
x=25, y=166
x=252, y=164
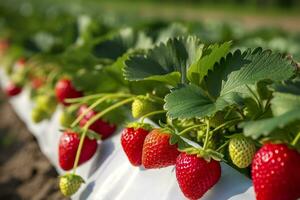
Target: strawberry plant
x=210, y=102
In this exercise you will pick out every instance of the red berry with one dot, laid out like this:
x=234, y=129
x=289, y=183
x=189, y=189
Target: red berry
x=37, y=82
x=4, y=45
x=20, y=63
x=64, y=89
x=195, y=175
x=12, y=89
x=100, y=126
x=157, y=151
x=132, y=140
x=68, y=145
x=276, y=173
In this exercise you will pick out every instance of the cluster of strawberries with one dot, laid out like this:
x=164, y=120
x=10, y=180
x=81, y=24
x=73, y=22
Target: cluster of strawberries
x=275, y=167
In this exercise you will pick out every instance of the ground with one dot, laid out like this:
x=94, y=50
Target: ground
x=25, y=173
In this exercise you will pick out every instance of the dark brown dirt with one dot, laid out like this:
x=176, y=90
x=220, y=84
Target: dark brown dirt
x=25, y=173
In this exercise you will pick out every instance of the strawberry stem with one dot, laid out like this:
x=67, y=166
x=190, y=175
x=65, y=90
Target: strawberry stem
x=107, y=110
x=223, y=145
x=206, y=135
x=94, y=96
x=157, y=99
x=151, y=114
x=255, y=97
x=95, y=104
x=85, y=98
x=295, y=141
x=189, y=128
x=225, y=124
x=79, y=150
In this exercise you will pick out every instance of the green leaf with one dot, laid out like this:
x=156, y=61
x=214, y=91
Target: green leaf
x=286, y=97
x=227, y=84
x=192, y=101
x=211, y=55
x=173, y=30
x=115, y=45
x=238, y=69
x=264, y=127
x=166, y=62
x=285, y=106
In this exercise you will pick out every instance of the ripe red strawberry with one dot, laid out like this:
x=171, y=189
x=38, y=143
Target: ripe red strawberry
x=12, y=90
x=68, y=145
x=276, y=173
x=195, y=175
x=64, y=89
x=4, y=45
x=20, y=63
x=37, y=82
x=157, y=151
x=100, y=126
x=132, y=140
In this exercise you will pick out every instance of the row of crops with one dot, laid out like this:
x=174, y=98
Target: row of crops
x=216, y=92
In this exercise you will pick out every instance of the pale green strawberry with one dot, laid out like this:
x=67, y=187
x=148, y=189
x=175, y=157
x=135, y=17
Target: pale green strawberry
x=241, y=151
x=38, y=115
x=69, y=184
x=141, y=106
x=66, y=119
x=46, y=103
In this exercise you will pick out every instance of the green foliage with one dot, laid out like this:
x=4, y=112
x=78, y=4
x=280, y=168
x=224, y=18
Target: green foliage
x=285, y=106
x=228, y=83
x=167, y=62
x=211, y=54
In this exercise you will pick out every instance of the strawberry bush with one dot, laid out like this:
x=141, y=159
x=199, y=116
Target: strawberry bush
x=211, y=98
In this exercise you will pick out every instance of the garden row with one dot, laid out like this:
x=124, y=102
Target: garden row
x=212, y=100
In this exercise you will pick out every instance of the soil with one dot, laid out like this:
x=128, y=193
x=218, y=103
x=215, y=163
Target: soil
x=25, y=173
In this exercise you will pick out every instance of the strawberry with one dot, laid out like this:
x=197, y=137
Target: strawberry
x=20, y=63
x=157, y=151
x=68, y=145
x=4, y=45
x=38, y=115
x=69, y=184
x=37, y=82
x=12, y=89
x=275, y=173
x=100, y=126
x=195, y=175
x=141, y=106
x=64, y=89
x=241, y=151
x=46, y=102
x=66, y=118
x=132, y=140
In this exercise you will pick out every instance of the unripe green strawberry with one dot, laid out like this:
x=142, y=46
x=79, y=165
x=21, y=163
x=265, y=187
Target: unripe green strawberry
x=142, y=106
x=69, y=184
x=66, y=119
x=47, y=103
x=241, y=151
x=38, y=115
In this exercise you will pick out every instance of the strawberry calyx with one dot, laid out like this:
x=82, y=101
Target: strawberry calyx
x=206, y=154
x=137, y=125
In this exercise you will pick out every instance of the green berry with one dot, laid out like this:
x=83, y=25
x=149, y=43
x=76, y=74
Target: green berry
x=38, y=115
x=142, y=106
x=241, y=151
x=69, y=184
x=66, y=119
x=46, y=103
